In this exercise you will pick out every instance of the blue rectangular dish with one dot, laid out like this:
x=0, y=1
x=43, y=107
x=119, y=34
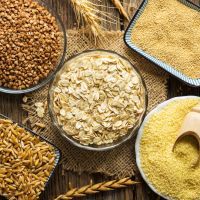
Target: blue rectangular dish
x=170, y=69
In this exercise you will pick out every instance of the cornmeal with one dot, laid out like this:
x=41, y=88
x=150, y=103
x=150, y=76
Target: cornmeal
x=171, y=173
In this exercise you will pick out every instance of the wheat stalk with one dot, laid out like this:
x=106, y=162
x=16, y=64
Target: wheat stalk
x=121, y=9
x=84, y=9
x=96, y=188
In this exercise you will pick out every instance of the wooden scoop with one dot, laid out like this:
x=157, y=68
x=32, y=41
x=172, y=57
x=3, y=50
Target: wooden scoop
x=191, y=127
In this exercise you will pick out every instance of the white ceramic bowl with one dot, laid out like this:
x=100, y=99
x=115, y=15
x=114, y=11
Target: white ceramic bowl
x=139, y=136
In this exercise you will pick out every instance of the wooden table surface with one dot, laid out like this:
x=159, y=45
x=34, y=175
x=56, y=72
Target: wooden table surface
x=10, y=106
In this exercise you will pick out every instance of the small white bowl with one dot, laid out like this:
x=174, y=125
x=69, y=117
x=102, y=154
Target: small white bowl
x=139, y=136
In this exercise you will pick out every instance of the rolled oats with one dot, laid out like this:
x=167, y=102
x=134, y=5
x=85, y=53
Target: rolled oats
x=40, y=110
x=98, y=97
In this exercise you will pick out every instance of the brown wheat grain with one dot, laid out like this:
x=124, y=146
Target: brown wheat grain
x=25, y=162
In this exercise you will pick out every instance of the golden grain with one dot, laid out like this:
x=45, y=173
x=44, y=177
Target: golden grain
x=23, y=172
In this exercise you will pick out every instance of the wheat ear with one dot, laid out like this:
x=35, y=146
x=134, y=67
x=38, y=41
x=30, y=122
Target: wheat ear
x=85, y=10
x=121, y=9
x=96, y=188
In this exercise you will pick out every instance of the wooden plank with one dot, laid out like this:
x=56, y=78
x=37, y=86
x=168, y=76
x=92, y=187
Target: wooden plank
x=131, y=7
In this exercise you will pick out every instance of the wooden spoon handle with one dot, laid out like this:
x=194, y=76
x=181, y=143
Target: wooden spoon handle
x=196, y=108
x=191, y=124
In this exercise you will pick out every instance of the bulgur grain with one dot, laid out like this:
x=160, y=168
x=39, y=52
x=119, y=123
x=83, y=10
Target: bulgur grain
x=165, y=31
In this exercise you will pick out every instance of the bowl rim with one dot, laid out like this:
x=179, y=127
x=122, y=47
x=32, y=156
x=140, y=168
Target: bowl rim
x=59, y=64
x=139, y=136
x=123, y=138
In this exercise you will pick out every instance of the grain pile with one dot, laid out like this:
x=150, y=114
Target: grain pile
x=98, y=97
x=171, y=173
x=170, y=31
x=30, y=43
x=25, y=162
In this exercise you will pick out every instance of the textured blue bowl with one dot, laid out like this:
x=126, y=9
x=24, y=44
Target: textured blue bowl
x=170, y=69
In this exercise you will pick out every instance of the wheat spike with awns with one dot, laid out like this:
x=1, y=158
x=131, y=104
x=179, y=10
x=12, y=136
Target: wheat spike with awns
x=96, y=188
x=85, y=10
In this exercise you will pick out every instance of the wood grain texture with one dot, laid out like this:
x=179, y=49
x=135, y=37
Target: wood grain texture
x=10, y=106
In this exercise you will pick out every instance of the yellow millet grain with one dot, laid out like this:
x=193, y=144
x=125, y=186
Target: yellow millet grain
x=171, y=173
x=170, y=31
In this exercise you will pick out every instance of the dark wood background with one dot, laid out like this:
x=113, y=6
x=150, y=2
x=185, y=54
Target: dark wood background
x=10, y=106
